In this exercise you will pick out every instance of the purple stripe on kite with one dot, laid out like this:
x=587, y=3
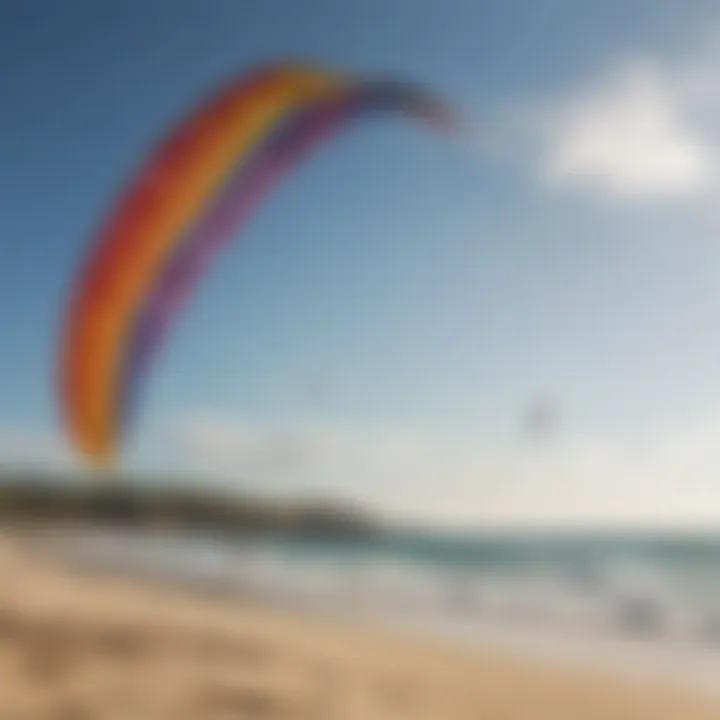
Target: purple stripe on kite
x=238, y=200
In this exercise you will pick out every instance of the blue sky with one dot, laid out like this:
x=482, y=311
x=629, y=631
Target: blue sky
x=393, y=310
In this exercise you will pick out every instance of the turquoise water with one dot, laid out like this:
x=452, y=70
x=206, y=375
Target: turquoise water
x=681, y=553
x=656, y=582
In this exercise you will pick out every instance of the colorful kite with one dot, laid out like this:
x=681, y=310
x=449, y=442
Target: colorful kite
x=190, y=197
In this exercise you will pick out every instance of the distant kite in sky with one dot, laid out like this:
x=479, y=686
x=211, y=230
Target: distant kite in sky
x=189, y=198
x=542, y=419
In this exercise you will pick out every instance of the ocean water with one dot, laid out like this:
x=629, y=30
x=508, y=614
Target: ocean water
x=646, y=603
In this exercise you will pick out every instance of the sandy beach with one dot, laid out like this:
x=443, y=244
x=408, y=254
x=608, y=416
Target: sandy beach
x=79, y=644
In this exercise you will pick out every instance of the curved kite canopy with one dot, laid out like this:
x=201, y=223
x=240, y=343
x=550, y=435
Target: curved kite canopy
x=191, y=196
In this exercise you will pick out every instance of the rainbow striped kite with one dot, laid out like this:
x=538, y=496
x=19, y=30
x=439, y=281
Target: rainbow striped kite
x=190, y=197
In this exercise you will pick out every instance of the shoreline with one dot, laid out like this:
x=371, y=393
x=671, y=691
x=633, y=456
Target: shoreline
x=680, y=663
x=292, y=663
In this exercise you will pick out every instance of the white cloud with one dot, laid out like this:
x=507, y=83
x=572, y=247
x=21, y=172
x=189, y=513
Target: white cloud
x=34, y=450
x=416, y=474
x=631, y=133
x=404, y=470
x=640, y=127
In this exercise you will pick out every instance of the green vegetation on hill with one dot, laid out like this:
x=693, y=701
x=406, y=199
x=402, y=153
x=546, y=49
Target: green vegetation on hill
x=36, y=498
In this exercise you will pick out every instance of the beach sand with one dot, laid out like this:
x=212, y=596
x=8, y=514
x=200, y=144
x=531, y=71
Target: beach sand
x=76, y=645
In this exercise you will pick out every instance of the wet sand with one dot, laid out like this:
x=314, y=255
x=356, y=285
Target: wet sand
x=78, y=645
